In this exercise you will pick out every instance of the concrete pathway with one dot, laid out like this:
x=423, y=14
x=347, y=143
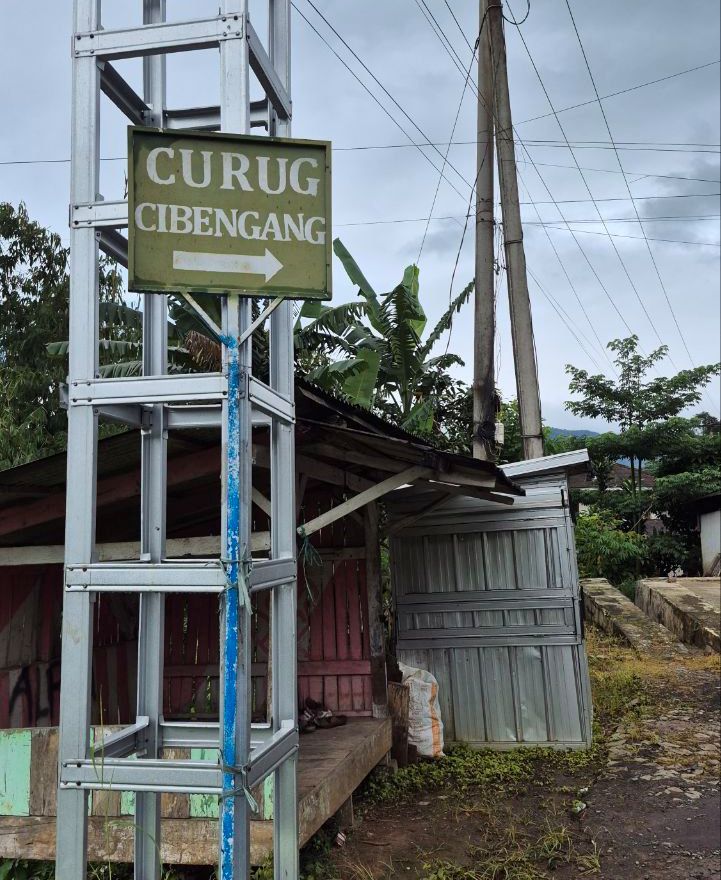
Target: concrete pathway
x=708, y=589
x=683, y=609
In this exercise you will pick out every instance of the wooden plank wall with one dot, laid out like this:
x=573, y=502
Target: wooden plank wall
x=333, y=639
x=30, y=607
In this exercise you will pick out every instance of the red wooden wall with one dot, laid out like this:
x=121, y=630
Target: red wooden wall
x=30, y=604
x=333, y=638
x=333, y=643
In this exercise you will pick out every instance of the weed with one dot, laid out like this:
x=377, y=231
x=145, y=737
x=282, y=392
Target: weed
x=589, y=863
x=555, y=845
x=439, y=870
x=507, y=863
x=24, y=869
x=314, y=860
x=464, y=768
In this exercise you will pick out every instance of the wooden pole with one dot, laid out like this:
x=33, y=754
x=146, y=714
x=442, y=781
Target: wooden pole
x=376, y=629
x=484, y=320
x=524, y=354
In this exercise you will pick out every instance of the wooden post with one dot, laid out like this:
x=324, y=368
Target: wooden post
x=484, y=321
x=399, y=704
x=524, y=353
x=375, y=612
x=344, y=816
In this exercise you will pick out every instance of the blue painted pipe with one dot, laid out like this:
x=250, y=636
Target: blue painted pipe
x=231, y=639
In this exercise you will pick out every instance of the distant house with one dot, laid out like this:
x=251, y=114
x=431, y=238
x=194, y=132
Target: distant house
x=620, y=473
x=708, y=511
x=619, y=476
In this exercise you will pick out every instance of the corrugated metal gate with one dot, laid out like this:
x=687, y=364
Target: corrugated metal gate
x=487, y=599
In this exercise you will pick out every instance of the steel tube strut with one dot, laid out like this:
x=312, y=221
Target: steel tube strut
x=234, y=400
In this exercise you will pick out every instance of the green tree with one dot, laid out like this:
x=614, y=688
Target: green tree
x=636, y=402
x=605, y=550
x=34, y=287
x=387, y=363
x=34, y=303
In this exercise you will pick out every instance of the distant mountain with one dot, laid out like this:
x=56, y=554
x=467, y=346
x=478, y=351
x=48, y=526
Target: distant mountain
x=572, y=432
x=581, y=432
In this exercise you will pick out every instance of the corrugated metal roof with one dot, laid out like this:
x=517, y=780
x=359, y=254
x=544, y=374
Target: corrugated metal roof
x=348, y=425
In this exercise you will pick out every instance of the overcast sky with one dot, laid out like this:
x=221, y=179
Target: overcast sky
x=668, y=134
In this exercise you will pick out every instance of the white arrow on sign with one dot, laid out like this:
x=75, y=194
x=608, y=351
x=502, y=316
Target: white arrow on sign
x=239, y=264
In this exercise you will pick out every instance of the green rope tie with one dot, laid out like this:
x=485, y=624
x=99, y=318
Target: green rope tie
x=242, y=789
x=245, y=566
x=309, y=557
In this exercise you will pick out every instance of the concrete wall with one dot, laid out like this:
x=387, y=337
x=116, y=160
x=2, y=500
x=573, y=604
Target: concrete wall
x=710, y=538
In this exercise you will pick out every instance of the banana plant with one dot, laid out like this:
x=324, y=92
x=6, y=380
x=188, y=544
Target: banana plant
x=388, y=364
x=373, y=351
x=120, y=348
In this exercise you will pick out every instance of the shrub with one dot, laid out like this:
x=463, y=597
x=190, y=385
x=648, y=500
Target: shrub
x=605, y=551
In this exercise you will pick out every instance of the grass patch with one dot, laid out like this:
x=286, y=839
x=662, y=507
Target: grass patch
x=510, y=854
x=464, y=768
x=625, y=684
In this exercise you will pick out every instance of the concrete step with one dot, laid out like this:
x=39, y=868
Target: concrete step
x=615, y=614
x=689, y=608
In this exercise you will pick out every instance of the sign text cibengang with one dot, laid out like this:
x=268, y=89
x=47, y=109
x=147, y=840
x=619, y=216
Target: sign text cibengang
x=231, y=171
x=222, y=213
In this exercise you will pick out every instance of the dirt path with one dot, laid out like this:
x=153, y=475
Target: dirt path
x=643, y=806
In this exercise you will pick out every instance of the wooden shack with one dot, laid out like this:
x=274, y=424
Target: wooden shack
x=347, y=460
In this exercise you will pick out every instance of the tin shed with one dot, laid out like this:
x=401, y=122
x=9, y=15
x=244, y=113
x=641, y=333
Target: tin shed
x=487, y=599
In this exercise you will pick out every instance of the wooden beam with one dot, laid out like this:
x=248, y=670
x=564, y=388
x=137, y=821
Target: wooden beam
x=402, y=456
x=410, y=475
x=376, y=626
x=51, y=554
x=28, y=491
x=470, y=491
x=465, y=479
x=353, y=456
x=181, y=469
x=413, y=517
x=319, y=470
x=261, y=501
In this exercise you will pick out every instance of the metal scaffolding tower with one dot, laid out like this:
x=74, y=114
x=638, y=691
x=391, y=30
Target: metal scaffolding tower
x=156, y=403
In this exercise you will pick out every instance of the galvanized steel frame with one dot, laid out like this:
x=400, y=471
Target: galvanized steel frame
x=233, y=400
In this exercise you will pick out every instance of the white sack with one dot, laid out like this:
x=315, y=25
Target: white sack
x=425, y=727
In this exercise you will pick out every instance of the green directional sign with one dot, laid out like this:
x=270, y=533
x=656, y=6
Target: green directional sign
x=221, y=213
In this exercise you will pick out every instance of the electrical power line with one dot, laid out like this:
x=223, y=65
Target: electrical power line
x=628, y=188
x=567, y=320
x=625, y=91
x=712, y=244
x=643, y=174
x=606, y=291
x=418, y=146
x=493, y=114
x=450, y=141
x=624, y=198
x=380, y=85
x=553, y=303
x=593, y=220
x=588, y=189
x=539, y=144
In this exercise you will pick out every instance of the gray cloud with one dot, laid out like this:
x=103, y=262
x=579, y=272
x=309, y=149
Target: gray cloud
x=626, y=44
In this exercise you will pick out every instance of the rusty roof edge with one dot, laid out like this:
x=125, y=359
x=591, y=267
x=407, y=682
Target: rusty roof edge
x=573, y=462
x=459, y=462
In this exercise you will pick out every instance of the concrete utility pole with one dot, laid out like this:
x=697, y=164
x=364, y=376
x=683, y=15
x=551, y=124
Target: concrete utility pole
x=524, y=355
x=484, y=324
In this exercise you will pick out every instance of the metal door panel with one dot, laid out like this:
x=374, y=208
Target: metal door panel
x=488, y=598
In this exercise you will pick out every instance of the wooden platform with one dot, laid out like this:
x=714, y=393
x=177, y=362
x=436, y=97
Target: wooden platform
x=332, y=764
